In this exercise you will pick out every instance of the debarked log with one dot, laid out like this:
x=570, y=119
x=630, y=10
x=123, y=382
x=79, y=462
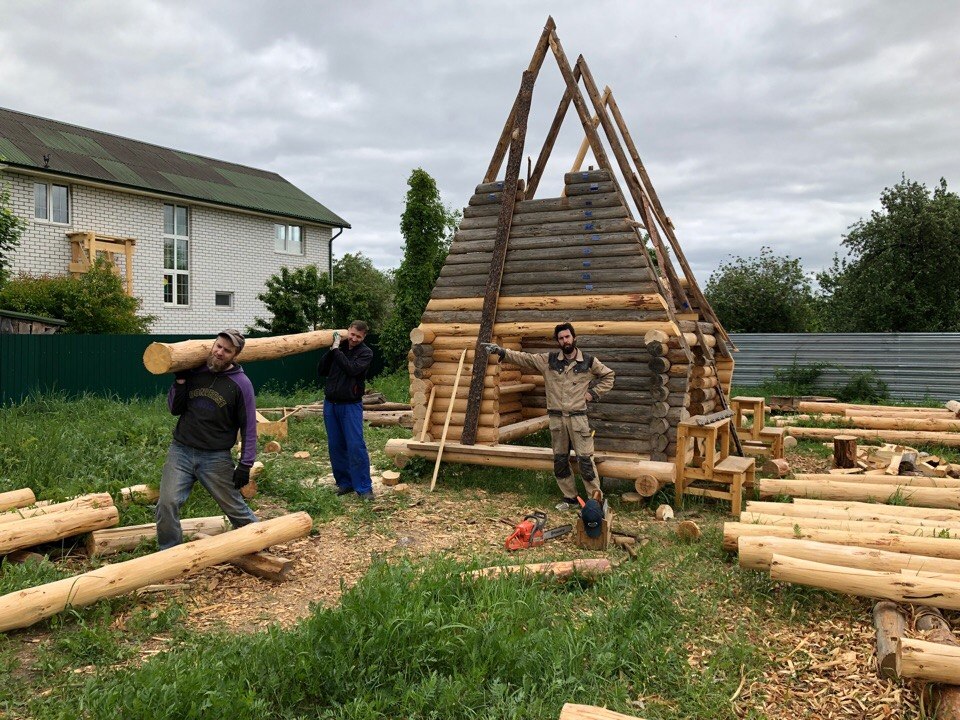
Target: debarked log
x=160, y=358
x=119, y=539
x=83, y=501
x=17, y=499
x=867, y=583
x=47, y=528
x=25, y=607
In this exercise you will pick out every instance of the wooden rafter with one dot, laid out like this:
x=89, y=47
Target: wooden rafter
x=504, y=221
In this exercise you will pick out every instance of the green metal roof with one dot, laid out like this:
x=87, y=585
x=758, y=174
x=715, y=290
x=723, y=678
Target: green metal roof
x=89, y=154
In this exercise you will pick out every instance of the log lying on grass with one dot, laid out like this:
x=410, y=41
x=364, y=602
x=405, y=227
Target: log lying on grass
x=755, y=553
x=931, y=546
x=47, y=528
x=868, y=507
x=838, y=490
x=83, y=501
x=560, y=570
x=918, y=590
x=571, y=711
x=911, y=437
x=25, y=607
x=114, y=540
x=891, y=525
x=870, y=512
x=139, y=494
x=160, y=358
x=17, y=499
x=937, y=629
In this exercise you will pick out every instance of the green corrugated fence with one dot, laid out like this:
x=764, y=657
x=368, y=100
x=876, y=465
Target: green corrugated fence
x=113, y=365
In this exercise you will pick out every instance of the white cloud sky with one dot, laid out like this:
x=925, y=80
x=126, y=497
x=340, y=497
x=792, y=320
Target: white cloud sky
x=760, y=123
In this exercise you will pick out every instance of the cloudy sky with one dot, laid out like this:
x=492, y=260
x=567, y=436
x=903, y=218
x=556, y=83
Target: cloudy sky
x=760, y=123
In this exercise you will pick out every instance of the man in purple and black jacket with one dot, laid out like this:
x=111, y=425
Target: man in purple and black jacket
x=213, y=402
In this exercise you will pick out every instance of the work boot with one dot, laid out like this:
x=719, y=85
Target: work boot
x=343, y=490
x=366, y=496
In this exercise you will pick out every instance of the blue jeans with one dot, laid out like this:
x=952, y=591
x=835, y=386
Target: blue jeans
x=348, y=451
x=184, y=466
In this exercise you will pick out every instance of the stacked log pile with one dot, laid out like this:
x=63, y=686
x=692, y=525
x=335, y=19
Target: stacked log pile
x=907, y=555
x=892, y=424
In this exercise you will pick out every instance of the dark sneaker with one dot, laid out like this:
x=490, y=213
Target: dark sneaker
x=341, y=490
x=567, y=504
x=366, y=496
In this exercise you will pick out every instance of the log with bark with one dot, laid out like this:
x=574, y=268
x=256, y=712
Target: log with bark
x=160, y=358
x=844, y=451
x=25, y=607
x=890, y=624
x=560, y=570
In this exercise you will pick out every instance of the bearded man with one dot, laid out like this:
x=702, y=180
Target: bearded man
x=571, y=380
x=213, y=402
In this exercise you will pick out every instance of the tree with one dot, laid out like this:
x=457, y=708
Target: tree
x=294, y=299
x=426, y=226
x=304, y=299
x=359, y=292
x=95, y=303
x=900, y=273
x=11, y=229
x=762, y=294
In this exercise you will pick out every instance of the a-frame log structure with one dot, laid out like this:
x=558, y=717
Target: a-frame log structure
x=519, y=265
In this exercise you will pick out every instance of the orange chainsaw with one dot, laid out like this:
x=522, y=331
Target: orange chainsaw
x=530, y=532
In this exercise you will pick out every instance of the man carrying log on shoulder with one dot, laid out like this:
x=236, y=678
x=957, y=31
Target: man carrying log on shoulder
x=571, y=380
x=213, y=402
x=345, y=367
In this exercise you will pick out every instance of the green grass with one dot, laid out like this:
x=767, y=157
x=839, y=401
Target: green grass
x=669, y=635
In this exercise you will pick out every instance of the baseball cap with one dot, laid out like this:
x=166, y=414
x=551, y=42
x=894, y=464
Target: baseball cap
x=235, y=337
x=592, y=515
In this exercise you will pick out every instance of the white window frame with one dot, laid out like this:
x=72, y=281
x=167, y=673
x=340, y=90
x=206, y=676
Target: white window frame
x=49, y=204
x=229, y=294
x=281, y=239
x=174, y=273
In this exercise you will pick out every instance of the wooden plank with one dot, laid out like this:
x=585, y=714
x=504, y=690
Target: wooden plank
x=495, y=277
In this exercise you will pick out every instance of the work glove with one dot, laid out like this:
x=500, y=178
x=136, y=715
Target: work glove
x=336, y=340
x=241, y=476
x=492, y=348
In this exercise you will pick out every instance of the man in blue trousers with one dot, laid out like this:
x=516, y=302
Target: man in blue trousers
x=345, y=367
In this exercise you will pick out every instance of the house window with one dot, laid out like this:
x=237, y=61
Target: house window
x=223, y=299
x=51, y=202
x=289, y=239
x=176, y=255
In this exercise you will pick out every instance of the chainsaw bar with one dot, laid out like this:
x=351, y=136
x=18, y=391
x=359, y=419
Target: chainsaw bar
x=557, y=532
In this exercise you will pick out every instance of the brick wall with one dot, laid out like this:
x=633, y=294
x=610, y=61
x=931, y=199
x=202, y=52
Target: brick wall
x=229, y=252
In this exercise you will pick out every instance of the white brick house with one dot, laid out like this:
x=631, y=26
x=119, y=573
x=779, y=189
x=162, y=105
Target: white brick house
x=207, y=233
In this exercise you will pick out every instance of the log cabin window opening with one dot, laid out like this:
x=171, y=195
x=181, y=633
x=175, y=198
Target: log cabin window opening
x=288, y=239
x=51, y=202
x=176, y=255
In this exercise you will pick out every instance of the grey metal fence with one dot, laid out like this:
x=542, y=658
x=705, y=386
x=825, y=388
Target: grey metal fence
x=914, y=365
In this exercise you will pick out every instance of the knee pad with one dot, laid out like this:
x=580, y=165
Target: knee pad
x=587, y=468
x=561, y=466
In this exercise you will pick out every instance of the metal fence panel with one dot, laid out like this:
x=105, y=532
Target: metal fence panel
x=113, y=365
x=916, y=366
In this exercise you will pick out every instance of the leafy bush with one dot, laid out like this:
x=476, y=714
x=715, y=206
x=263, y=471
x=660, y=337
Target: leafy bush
x=95, y=303
x=798, y=379
x=866, y=387
x=11, y=228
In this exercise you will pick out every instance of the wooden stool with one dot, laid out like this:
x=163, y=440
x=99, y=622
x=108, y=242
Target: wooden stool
x=738, y=473
x=738, y=405
x=773, y=437
x=715, y=440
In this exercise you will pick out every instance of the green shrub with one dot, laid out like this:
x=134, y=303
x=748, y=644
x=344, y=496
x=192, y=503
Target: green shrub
x=864, y=387
x=798, y=379
x=94, y=303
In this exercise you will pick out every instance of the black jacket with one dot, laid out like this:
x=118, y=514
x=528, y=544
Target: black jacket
x=345, y=369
